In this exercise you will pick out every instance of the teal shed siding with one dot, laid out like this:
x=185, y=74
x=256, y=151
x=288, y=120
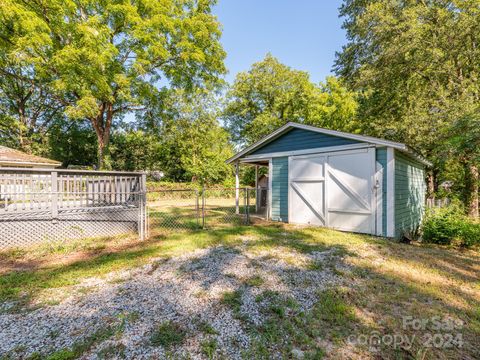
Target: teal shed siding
x=279, y=210
x=410, y=189
x=381, y=156
x=299, y=139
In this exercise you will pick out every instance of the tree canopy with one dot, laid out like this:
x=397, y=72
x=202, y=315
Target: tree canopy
x=194, y=146
x=271, y=94
x=415, y=65
x=72, y=69
x=100, y=59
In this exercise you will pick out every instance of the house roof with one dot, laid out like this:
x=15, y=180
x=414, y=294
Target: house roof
x=16, y=157
x=366, y=139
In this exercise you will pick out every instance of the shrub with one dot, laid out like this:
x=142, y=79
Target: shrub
x=447, y=226
x=470, y=234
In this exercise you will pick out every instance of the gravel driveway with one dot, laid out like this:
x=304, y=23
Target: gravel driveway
x=118, y=316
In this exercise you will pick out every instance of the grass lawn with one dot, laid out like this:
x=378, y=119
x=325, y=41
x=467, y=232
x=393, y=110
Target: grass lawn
x=389, y=291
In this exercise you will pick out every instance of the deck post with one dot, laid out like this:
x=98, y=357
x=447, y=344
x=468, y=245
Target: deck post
x=54, y=195
x=143, y=231
x=237, y=188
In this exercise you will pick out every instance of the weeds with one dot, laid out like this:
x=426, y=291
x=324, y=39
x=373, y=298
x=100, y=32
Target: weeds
x=168, y=334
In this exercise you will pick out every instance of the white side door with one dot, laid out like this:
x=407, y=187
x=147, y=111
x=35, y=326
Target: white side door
x=350, y=190
x=306, y=190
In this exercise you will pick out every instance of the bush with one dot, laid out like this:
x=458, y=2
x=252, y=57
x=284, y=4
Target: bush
x=449, y=226
x=471, y=234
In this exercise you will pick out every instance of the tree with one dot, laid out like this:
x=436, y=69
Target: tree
x=71, y=142
x=415, y=64
x=102, y=58
x=464, y=143
x=192, y=144
x=271, y=94
x=135, y=150
x=27, y=111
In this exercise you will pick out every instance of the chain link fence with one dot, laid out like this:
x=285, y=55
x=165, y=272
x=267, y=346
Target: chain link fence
x=204, y=208
x=50, y=206
x=173, y=209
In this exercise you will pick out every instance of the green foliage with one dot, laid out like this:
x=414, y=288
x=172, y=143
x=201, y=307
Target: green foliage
x=464, y=147
x=415, y=65
x=193, y=145
x=133, y=150
x=209, y=347
x=80, y=347
x=101, y=59
x=27, y=111
x=72, y=143
x=449, y=226
x=233, y=299
x=271, y=94
x=166, y=185
x=254, y=281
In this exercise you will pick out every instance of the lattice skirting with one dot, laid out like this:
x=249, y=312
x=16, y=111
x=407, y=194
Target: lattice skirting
x=21, y=232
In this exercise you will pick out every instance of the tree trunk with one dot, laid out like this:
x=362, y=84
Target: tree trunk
x=431, y=185
x=23, y=138
x=102, y=125
x=472, y=189
x=100, y=152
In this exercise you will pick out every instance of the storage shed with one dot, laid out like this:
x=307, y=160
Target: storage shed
x=339, y=180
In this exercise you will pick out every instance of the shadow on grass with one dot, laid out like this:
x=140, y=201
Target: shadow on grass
x=24, y=284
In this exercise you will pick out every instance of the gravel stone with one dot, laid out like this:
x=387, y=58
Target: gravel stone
x=181, y=289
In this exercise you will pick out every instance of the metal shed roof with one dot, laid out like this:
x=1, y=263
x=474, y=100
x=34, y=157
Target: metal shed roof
x=366, y=139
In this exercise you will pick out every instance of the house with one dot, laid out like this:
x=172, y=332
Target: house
x=340, y=180
x=15, y=158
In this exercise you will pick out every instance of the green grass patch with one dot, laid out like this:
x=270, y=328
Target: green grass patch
x=209, y=348
x=298, y=332
x=233, y=299
x=281, y=334
x=80, y=347
x=256, y=280
x=112, y=351
x=315, y=265
x=168, y=334
x=332, y=308
x=205, y=327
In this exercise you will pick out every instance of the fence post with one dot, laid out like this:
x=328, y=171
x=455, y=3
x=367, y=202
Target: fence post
x=203, y=207
x=197, y=210
x=248, y=205
x=142, y=207
x=237, y=188
x=54, y=193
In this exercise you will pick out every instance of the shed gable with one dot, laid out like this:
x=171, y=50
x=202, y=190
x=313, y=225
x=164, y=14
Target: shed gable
x=300, y=139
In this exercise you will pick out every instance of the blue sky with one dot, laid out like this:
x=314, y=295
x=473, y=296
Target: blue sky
x=303, y=34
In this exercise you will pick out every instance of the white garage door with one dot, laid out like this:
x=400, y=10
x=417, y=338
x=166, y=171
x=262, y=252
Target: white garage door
x=333, y=190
